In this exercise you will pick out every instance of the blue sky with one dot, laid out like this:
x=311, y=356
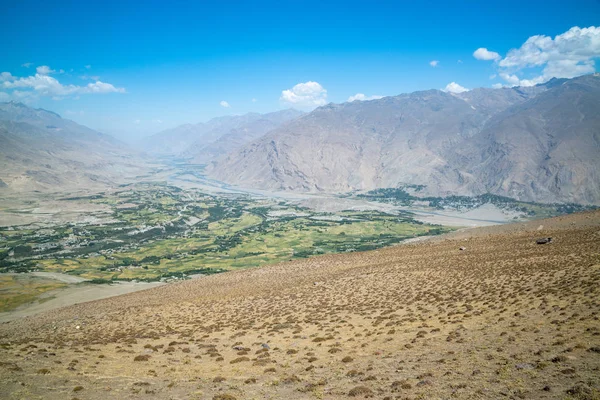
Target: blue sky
x=133, y=68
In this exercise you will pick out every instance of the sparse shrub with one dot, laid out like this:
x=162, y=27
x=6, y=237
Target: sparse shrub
x=559, y=359
x=142, y=357
x=582, y=392
x=360, y=391
x=224, y=396
x=397, y=385
x=290, y=379
x=239, y=360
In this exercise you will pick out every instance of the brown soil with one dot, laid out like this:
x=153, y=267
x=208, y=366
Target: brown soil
x=504, y=318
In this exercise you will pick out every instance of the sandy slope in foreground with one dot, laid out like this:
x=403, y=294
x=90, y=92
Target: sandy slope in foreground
x=504, y=318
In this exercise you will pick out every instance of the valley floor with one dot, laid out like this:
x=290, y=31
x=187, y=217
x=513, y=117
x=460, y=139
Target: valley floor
x=502, y=318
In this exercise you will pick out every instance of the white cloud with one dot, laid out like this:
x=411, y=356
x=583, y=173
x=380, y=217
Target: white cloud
x=157, y=121
x=100, y=87
x=4, y=96
x=484, y=54
x=568, y=55
x=497, y=86
x=23, y=96
x=513, y=80
x=459, y=62
x=26, y=65
x=454, y=87
x=225, y=104
x=6, y=76
x=88, y=67
x=306, y=95
x=362, y=97
x=254, y=100
x=434, y=63
x=568, y=68
x=136, y=121
x=41, y=84
x=576, y=44
x=44, y=70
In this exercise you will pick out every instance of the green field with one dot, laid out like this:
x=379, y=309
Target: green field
x=159, y=232
x=402, y=196
x=20, y=289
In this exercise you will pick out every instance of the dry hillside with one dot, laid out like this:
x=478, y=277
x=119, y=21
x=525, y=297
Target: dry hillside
x=503, y=318
x=538, y=143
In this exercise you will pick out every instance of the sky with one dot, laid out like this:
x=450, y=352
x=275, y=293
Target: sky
x=131, y=68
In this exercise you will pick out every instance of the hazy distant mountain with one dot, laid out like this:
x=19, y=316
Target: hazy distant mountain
x=207, y=140
x=249, y=128
x=39, y=150
x=539, y=143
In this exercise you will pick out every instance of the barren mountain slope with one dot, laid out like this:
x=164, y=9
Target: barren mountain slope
x=177, y=140
x=362, y=145
x=546, y=149
x=503, y=318
x=536, y=144
x=206, y=140
x=232, y=138
x=39, y=150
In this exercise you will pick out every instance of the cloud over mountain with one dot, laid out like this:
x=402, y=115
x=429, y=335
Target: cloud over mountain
x=454, y=87
x=305, y=95
x=363, y=97
x=541, y=58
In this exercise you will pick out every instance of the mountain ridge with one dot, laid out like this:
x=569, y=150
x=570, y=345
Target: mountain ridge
x=414, y=138
x=42, y=151
x=191, y=140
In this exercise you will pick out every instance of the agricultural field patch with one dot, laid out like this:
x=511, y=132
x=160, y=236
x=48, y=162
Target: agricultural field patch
x=157, y=232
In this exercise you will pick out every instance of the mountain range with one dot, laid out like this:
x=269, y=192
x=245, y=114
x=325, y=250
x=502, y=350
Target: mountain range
x=206, y=141
x=539, y=143
x=39, y=150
